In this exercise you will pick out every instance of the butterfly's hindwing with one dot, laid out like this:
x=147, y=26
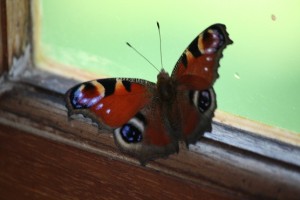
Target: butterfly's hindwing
x=196, y=110
x=146, y=136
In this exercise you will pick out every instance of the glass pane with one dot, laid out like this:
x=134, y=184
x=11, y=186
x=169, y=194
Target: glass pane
x=259, y=73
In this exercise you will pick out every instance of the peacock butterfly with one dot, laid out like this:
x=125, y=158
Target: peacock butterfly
x=148, y=120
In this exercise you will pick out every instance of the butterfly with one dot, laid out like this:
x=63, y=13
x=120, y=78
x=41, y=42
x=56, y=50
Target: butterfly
x=149, y=120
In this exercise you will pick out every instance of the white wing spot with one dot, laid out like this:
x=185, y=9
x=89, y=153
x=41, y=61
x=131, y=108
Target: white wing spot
x=208, y=58
x=210, y=50
x=99, y=106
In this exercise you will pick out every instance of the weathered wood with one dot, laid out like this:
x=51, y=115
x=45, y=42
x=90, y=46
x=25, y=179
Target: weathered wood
x=226, y=169
x=235, y=131
x=18, y=28
x=3, y=38
x=36, y=168
x=260, y=129
x=14, y=34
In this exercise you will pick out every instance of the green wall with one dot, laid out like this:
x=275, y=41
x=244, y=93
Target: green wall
x=259, y=73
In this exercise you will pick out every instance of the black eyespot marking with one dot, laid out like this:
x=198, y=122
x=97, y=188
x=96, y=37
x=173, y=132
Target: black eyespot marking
x=204, y=100
x=194, y=49
x=109, y=85
x=201, y=99
x=127, y=85
x=131, y=134
x=217, y=31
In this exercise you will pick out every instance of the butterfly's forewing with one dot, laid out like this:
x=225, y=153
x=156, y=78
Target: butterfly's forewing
x=109, y=102
x=196, y=69
x=195, y=73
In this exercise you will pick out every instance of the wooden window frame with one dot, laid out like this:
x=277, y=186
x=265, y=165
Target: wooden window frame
x=239, y=157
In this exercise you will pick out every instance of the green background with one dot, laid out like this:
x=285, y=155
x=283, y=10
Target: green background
x=259, y=73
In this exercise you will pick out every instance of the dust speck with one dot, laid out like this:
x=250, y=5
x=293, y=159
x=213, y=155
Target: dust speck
x=237, y=76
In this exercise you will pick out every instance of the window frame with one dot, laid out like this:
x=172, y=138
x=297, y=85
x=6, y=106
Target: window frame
x=246, y=157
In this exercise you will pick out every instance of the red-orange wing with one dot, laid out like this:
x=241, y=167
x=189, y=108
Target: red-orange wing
x=195, y=74
x=110, y=102
x=197, y=67
x=130, y=108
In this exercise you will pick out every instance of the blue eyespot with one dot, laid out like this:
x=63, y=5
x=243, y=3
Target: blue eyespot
x=131, y=134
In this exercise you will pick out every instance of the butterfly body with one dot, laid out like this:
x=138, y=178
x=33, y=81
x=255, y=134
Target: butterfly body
x=148, y=120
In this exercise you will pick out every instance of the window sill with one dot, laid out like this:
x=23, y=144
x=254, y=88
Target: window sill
x=228, y=160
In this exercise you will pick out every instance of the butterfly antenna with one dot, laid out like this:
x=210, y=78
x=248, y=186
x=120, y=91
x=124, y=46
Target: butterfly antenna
x=142, y=56
x=161, y=61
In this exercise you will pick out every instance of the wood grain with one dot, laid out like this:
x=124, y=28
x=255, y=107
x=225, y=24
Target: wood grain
x=15, y=37
x=18, y=29
x=258, y=128
x=36, y=168
x=3, y=38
